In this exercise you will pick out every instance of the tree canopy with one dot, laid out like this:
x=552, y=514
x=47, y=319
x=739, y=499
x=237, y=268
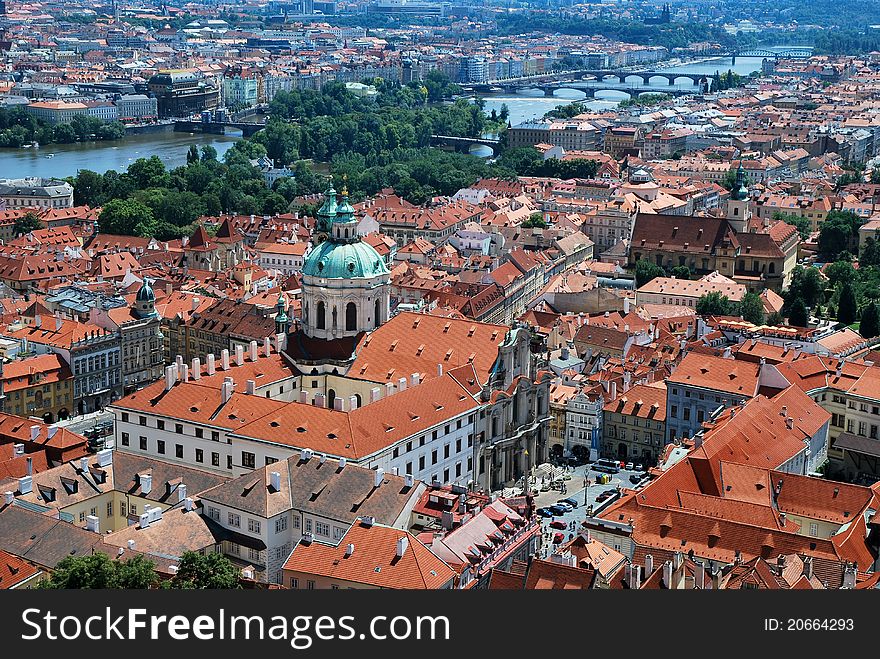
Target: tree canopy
x=100, y=571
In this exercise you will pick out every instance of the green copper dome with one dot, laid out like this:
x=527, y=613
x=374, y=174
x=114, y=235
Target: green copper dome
x=333, y=260
x=145, y=293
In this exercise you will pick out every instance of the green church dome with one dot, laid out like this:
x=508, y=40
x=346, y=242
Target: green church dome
x=333, y=260
x=145, y=293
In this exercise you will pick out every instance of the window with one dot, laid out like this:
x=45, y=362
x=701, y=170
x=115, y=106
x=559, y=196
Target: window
x=446, y=451
x=125, y=439
x=254, y=525
x=122, y=509
x=233, y=520
x=200, y=455
x=215, y=459
x=214, y=513
x=445, y=475
x=294, y=582
x=178, y=451
x=254, y=554
x=396, y=452
x=338, y=532
x=408, y=468
x=109, y=509
x=281, y=524
x=160, y=447
x=178, y=428
x=434, y=457
x=200, y=433
x=143, y=443
x=296, y=522
x=457, y=469
x=458, y=446
x=160, y=424
x=308, y=526
x=674, y=412
x=125, y=417
x=421, y=463
x=229, y=462
x=687, y=414
x=814, y=529
x=322, y=528
x=310, y=585
x=700, y=416
x=863, y=428
x=215, y=436
x=270, y=460
x=248, y=460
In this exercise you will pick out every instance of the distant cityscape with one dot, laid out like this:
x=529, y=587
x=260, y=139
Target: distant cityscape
x=400, y=294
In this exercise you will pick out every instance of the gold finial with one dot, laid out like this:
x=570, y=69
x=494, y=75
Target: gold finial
x=344, y=190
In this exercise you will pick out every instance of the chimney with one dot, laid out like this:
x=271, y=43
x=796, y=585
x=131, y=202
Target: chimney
x=38, y=321
x=30, y=466
x=304, y=396
x=849, y=576
x=588, y=537
x=195, y=302
x=8, y=498
x=178, y=362
x=402, y=544
x=367, y=520
x=181, y=492
x=275, y=480
x=146, y=483
x=349, y=549
x=401, y=384
x=306, y=454
x=808, y=567
x=188, y=504
x=224, y=359
x=339, y=404
x=84, y=464
x=439, y=370
x=131, y=545
x=636, y=582
x=389, y=389
x=212, y=364
x=780, y=564
x=105, y=457
x=408, y=480
x=375, y=394
x=667, y=574
x=322, y=458
x=789, y=422
x=352, y=402
x=58, y=323
x=319, y=399
x=649, y=565
x=782, y=518
x=342, y=462
x=226, y=391
x=239, y=355
x=35, y=432
x=413, y=379
x=700, y=576
x=25, y=484
x=144, y=520
x=93, y=524
x=184, y=374
x=196, y=368
x=18, y=449
x=378, y=476
x=267, y=347
x=281, y=342
x=251, y=387
x=253, y=349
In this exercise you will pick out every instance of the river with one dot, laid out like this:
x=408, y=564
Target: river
x=68, y=159
x=172, y=147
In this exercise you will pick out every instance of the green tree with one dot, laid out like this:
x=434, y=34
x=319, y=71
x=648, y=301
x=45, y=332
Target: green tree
x=193, y=154
x=148, y=172
x=645, y=271
x=798, y=315
x=714, y=304
x=839, y=233
x=846, y=306
x=26, y=223
x=802, y=224
x=204, y=572
x=127, y=217
x=99, y=571
x=681, y=272
x=870, y=253
x=209, y=153
x=840, y=272
x=751, y=308
x=869, y=326
x=535, y=220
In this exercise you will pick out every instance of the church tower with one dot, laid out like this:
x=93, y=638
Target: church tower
x=145, y=301
x=345, y=283
x=738, y=213
x=282, y=321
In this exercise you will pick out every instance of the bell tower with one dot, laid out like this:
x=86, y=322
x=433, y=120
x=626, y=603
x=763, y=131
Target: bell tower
x=738, y=211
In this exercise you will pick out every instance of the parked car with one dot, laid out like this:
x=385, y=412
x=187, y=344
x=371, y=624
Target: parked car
x=566, y=507
x=571, y=502
x=622, y=464
x=558, y=538
x=544, y=512
x=557, y=510
x=635, y=479
x=558, y=524
x=605, y=495
x=639, y=467
x=629, y=466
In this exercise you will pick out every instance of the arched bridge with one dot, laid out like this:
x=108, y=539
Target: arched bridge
x=247, y=128
x=463, y=144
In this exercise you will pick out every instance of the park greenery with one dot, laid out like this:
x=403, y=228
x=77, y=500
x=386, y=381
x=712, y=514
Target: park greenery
x=750, y=307
x=18, y=128
x=645, y=100
x=98, y=571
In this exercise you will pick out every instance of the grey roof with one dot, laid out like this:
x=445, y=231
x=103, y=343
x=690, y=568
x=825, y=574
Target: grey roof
x=35, y=187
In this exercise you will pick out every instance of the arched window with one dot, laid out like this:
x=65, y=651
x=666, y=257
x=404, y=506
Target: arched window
x=331, y=396
x=357, y=399
x=772, y=267
x=377, y=318
x=335, y=324
x=321, y=319
x=351, y=317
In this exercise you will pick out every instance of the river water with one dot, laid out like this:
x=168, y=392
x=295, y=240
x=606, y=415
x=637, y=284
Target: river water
x=172, y=147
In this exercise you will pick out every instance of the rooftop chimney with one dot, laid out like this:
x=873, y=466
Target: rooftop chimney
x=184, y=373
x=275, y=480
x=8, y=498
x=18, y=449
x=196, y=302
x=212, y=364
x=636, y=582
x=131, y=545
x=30, y=466
x=144, y=520
x=58, y=323
x=667, y=574
x=224, y=359
x=84, y=464
x=352, y=402
x=25, y=485
x=304, y=396
x=105, y=457
x=93, y=524
x=181, y=492
x=700, y=576
x=169, y=377
x=196, y=368
x=649, y=565
x=267, y=347
x=375, y=394
x=378, y=476
x=413, y=379
x=319, y=399
x=389, y=389
x=408, y=480
x=306, y=454
x=239, y=355
x=251, y=387
x=38, y=321
x=35, y=432
x=402, y=544
x=253, y=350
x=146, y=483
x=342, y=462
x=226, y=392
x=439, y=370
x=188, y=504
x=367, y=520
x=339, y=404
